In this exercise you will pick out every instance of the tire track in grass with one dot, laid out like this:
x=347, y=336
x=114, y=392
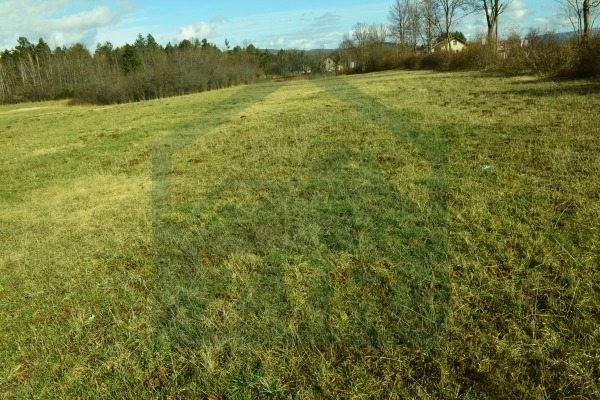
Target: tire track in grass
x=165, y=230
x=427, y=279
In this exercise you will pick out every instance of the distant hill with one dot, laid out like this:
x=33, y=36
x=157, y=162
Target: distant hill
x=311, y=51
x=567, y=35
x=326, y=51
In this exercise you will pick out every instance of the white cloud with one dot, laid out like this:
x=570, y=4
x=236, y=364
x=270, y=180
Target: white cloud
x=304, y=28
x=517, y=12
x=200, y=31
x=317, y=30
x=519, y=17
x=59, y=22
x=303, y=44
x=99, y=16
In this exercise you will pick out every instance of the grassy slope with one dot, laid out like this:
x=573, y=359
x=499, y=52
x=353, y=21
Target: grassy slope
x=332, y=238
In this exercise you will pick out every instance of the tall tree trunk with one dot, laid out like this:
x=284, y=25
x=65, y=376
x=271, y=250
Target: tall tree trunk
x=493, y=9
x=586, y=22
x=4, y=90
x=429, y=36
x=490, y=22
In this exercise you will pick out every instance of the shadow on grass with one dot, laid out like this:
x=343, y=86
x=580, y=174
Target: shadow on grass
x=328, y=265
x=560, y=88
x=165, y=230
x=420, y=242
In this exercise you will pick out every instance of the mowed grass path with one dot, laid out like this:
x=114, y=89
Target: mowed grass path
x=335, y=238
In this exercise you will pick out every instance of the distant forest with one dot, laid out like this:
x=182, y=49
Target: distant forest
x=142, y=71
x=148, y=70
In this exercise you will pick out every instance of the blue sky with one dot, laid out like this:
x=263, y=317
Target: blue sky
x=301, y=24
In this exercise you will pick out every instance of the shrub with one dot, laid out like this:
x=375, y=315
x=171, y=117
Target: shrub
x=65, y=93
x=539, y=53
x=410, y=61
x=437, y=60
x=588, y=59
x=31, y=92
x=101, y=92
x=388, y=60
x=477, y=56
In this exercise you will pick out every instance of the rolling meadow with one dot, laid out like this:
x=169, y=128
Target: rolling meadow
x=406, y=234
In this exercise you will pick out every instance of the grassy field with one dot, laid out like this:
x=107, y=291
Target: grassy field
x=393, y=235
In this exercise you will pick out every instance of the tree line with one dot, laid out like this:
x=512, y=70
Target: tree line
x=147, y=70
x=417, y=26
x=420, y=21
x=139, y=71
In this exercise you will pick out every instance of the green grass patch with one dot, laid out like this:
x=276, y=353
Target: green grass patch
x=394, y=235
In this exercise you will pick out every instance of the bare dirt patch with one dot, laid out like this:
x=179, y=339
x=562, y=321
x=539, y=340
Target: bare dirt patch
x=27, y=109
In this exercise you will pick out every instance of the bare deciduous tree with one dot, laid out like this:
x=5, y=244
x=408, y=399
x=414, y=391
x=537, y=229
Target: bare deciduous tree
x=414, y=21
x=452, y=11
x=413, y=25
x=398, y=17
x=581, y=15
x=430, y=12
x=493, y=9
x=364, y=49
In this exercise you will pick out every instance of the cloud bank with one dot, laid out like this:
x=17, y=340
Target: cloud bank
x=518, y=18
x=307, y=30
x=59, y=22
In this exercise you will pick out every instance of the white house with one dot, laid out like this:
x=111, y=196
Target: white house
x=332, y=65
x=456, y=45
